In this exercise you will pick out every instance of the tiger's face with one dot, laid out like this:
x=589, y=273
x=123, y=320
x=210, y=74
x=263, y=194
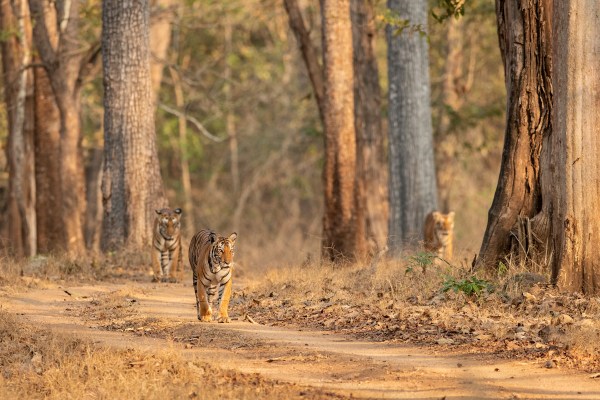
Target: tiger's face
x=444, y=227
x=168, y=222
x=222, y=252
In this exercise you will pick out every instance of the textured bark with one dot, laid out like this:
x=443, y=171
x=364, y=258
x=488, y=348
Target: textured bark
x=412, y=183
x=343, y=222
x=56, y=37
x=524, y=36
x=371, y=167
x=131, y=185
x=47, y=165
x=576, y=145
x=19, y=104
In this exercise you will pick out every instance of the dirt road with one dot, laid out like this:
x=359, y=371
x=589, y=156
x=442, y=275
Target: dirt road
x=165, y=316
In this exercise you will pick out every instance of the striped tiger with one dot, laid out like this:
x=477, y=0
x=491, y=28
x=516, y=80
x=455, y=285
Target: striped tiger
x=211, y=259
x=167, y=256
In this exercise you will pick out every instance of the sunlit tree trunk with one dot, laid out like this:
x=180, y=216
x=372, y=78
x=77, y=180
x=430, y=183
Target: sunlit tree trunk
x=161, y=21
x=576, y=145
x=343, y=219
x=412, y=183
x=16, y=56
x=519, y=206
x=131, y=186
x=371, y=166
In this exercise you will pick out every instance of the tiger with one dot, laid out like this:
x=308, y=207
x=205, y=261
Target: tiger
x=211, y=259
x=167, y=256
x=439, y=234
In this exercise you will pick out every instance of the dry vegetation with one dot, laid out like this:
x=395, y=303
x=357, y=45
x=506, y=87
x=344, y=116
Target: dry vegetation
x=515, y=315
x=511, y=315
x=37, y=363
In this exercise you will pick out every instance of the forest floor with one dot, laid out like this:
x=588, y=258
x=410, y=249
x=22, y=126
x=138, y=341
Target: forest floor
x=277, y=347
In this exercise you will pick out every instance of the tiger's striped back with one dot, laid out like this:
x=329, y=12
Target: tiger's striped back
x=211, y=260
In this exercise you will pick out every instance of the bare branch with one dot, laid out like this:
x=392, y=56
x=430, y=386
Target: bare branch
x=308, y=50
x=194, y=122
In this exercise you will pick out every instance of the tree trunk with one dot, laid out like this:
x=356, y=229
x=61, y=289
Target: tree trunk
x=161, y=20
x=524, y=35
x=19, y=104
x=343, y=222
x=309, y=53
x=47, y=165
x=186, y=181
x=132, y=186
x=576, y=145
x=56, y=37
x=371, y=167
x=412, y=183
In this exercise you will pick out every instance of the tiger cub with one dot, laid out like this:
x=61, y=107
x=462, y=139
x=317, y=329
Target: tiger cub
x=166, y=246
x=211, y=259
x=439, y=234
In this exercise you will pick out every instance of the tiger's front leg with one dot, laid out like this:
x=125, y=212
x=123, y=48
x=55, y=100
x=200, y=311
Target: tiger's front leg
x=156, y=268
x=203, y=307
x=224, y=306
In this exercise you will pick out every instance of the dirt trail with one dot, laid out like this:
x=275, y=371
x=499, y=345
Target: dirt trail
x=319, y=359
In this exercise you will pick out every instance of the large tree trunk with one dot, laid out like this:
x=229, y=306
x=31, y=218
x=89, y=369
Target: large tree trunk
x=524, y=35
x=16, y=55
x=131, y=186
x=412, y=183
x=343, y=222
x=576, y=145
x=371, y=167
x=56, y=36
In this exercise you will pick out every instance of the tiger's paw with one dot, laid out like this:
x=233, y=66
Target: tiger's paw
x=225, y=320
x=155, y=278
x=205, y=318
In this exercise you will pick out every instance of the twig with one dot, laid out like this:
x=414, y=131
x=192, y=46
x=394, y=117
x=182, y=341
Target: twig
x=194, y=121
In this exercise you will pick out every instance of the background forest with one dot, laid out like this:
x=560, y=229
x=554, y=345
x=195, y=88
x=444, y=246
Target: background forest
x=240, y=141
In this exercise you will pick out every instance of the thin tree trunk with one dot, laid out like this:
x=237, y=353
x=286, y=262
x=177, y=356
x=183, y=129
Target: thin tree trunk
x=309, y=53
x=161, y=20
x=230, y=115
x=186, y=181
x=445, y=143
x=47, y=165
x=19, y=101
x=371, y=166
x=412, y=185
x=343, y=222
x=576, y=145
x=132, y=186
x=93, y=215
x=526, y=52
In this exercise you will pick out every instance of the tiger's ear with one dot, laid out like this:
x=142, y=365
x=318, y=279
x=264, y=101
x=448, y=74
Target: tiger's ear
x=451, y=215
x=232, y=237
x=159, y=212
x=177, y=211
x=212, y=237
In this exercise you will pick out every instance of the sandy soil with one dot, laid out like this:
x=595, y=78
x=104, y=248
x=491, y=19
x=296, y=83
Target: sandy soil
x=164, y=316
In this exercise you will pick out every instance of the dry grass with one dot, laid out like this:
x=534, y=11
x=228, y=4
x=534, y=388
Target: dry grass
x=40, y=364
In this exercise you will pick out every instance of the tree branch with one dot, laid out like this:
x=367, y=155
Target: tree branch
x=308, y=50
x=194, y=122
